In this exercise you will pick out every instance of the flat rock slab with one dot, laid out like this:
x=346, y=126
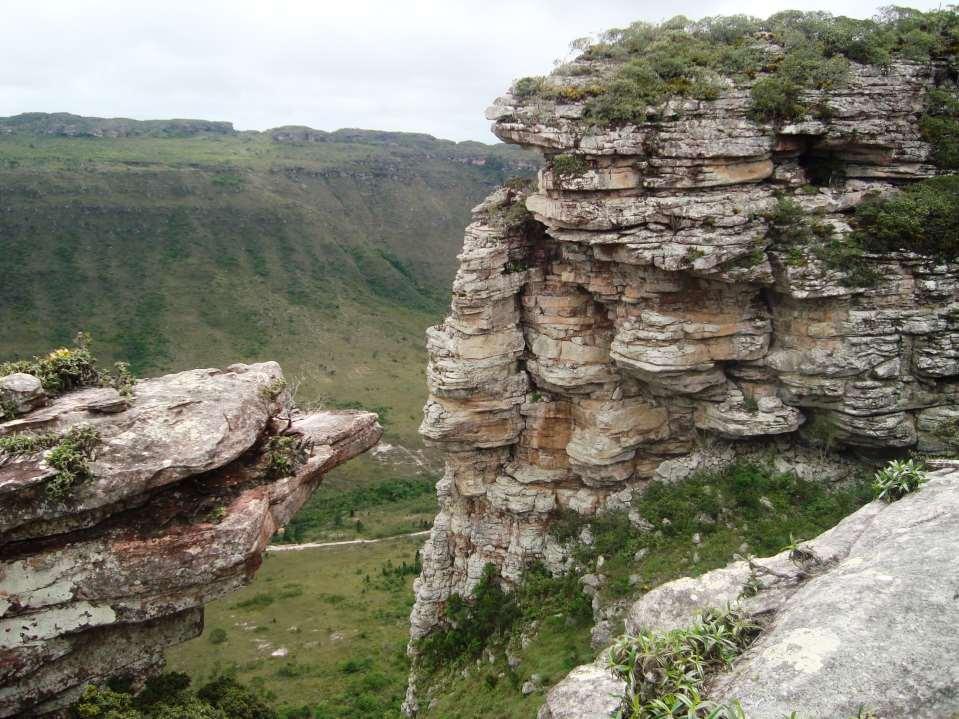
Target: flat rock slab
x=880, y=629
x=175, y=426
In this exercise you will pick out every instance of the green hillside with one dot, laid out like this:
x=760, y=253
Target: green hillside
x=185, y=243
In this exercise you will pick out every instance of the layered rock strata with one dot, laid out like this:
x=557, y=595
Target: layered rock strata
x=827, y=648
x=191, y=477
x=642, y=311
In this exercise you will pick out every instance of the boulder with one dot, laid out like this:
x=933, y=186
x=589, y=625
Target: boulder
x=20, y=392
x=833, y=644
x=588, y=692
x=176, y=426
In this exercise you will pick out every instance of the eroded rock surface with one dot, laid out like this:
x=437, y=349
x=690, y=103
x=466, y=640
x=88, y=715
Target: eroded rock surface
x=180, y=508
x=643, y=322
x=868, y=620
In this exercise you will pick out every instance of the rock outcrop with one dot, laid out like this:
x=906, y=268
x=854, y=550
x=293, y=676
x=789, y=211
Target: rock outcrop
x=190, y=478
x=831, y=645
x=635, y=317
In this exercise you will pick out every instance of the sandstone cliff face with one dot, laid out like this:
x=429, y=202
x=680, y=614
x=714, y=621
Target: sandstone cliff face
x=191, y=477
x=645, y=311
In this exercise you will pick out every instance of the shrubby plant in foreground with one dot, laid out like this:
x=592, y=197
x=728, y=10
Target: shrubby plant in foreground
x=898, y=479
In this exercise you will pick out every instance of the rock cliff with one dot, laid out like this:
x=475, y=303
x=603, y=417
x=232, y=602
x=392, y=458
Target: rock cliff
x=188, y=479
x=639, y=313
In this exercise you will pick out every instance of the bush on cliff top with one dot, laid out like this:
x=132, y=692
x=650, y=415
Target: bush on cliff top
x=684, y=58
x=68, y=368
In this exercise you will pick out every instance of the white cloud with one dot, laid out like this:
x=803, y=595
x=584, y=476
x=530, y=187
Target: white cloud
x=416, y=65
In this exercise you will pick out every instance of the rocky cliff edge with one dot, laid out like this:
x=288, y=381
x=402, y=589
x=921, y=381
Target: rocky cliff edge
x=188, y=478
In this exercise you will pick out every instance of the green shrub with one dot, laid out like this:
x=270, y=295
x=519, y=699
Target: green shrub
x=217, y=514
x=686, y=59
x=166, y=688
x=666, y=672
x=356, y=666
x=282, y=456
x=260, y=600
x=775, y=99
x=70, y=457
x=898, y=479
x=793, y=230
x=27, y=443
x=235, y=700
x=807, y=66
x=168, y=696
x=274, y=389
x=519, y=184
x=569, y=166
x=472, y=623
x=940, y=127
x=122, y=379
x=540, y=594
x=62, y=369
x=922, y=219
x=675, y=65
x=491, y=616
x=228, y=181
x=788, y=222
x=217, y=636
x=722, y=507
x=528, y=86
x=512, y=214
x=69, y=368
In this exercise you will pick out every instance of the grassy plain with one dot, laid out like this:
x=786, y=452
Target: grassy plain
x=324, y=629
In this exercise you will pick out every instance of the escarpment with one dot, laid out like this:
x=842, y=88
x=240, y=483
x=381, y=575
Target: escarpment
x=184, y=481
x=673, y=292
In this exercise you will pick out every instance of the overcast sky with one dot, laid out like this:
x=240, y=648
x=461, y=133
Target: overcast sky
x=417, y=65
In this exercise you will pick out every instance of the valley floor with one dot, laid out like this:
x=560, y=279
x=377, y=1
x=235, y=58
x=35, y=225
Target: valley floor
x=323, y=632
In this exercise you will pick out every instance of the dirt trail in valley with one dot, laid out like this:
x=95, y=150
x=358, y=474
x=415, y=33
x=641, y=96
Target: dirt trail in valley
x=346, y=542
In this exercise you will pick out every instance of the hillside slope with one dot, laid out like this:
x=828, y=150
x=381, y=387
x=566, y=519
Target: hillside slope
x=186, y=243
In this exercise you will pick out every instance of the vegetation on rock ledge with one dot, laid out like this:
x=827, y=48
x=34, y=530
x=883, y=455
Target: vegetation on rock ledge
x=790, y=52
x=898, y=479
x=69, y=455
x=924, y=219
x=665, y=672
x=69, y=368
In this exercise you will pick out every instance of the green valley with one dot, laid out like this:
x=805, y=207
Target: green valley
x=182, y=244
